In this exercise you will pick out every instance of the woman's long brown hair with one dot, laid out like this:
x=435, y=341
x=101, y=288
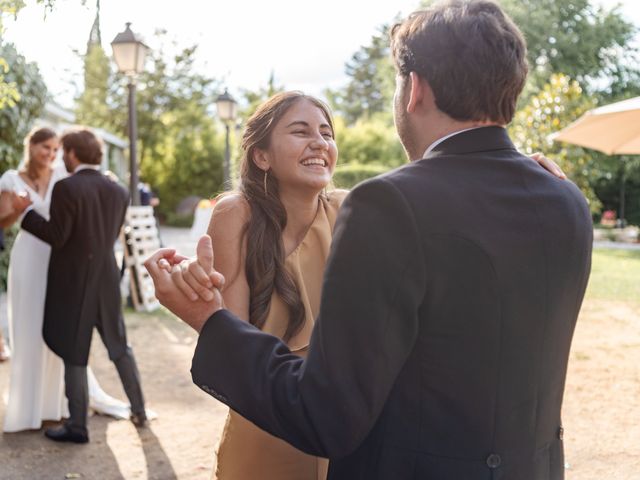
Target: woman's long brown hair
x=265, y=249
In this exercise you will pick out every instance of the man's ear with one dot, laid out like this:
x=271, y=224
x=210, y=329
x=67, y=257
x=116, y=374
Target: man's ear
x=420, y=93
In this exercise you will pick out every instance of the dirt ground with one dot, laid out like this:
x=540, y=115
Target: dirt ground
x=179, y=444
x=601, y=410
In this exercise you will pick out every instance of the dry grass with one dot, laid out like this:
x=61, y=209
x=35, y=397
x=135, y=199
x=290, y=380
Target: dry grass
x=601, y=411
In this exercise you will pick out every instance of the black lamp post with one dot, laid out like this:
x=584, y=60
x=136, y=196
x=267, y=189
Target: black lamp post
x=129, y=53
x=226, y=107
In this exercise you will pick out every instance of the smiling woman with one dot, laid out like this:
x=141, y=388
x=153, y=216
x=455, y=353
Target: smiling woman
x=271, y=241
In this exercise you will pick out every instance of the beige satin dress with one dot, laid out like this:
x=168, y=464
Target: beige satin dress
x=247, y=452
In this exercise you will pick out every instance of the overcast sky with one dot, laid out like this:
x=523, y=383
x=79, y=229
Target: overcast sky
x=306, y=44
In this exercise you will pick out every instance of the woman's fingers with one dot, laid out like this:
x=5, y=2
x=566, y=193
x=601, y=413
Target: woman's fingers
x=549, y=165
x=179, y=281
x=198, y=280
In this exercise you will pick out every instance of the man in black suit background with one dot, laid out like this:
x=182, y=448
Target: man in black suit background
x=83, y=292
x=450, y=296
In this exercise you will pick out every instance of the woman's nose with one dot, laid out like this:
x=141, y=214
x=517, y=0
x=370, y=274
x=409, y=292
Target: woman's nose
x=320, y=142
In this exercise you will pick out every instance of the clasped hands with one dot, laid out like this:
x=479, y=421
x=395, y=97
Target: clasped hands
x=20, y=201
x=188, y=287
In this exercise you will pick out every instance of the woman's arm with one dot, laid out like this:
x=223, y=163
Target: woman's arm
x=226, y=229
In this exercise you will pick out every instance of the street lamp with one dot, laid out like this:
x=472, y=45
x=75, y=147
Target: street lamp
x=129, y=53
x=226, y=106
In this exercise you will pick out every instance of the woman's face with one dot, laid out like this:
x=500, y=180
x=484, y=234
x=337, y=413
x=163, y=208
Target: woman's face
x=302, y=150
x=43, y=153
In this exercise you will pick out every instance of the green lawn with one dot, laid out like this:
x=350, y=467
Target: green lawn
x=615, y=275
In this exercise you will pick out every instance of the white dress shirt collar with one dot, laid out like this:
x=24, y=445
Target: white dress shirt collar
x=86, y=166
x=442, y=139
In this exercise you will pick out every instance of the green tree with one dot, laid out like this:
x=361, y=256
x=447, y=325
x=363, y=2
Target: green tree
x=17, y=119
x=9, y=94
x=9, y=90
x=556, y=105
x=371, y=82
x=608, y=185
x=589, y=43
x=370, y=141
x=180, y=147
x=93, y=104
x=191, y=163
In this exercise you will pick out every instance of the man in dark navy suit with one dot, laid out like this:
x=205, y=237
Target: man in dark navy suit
x=450, y=296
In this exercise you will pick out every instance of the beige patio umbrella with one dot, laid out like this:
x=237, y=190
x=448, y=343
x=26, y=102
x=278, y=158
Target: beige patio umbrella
x=613, y=129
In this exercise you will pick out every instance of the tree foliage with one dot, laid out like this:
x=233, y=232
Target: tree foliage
x=93, y=105
x=607, y=187
x=16, y=120
x=588, y=43
x=350, y=174
x=9, y=90
x=556, y=105
x=370, y=88
x=181, y=149
x=371, y=142
x=581, y=56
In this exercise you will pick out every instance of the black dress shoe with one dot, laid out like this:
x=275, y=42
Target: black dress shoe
x=65, y=433
x=139, y=419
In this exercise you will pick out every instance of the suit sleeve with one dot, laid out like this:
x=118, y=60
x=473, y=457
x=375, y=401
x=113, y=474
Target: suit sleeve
x=57, y=230
x=368, y=322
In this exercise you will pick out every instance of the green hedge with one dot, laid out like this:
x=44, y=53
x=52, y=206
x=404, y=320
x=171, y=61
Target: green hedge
x=173, y=219
x=350, y=174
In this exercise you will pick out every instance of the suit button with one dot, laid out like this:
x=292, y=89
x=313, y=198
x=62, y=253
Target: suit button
x=560, y=433
x=494, y=460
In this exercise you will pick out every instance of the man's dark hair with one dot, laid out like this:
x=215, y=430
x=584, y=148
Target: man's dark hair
x=86, y=146
x=470, y=52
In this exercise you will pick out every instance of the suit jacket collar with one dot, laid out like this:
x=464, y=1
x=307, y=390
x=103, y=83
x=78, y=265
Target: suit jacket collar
x=474, y=141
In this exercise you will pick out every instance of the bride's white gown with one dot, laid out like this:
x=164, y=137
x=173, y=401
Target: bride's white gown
x=36, y=384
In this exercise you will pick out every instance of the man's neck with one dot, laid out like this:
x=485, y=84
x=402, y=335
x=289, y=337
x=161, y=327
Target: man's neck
x=443, y=129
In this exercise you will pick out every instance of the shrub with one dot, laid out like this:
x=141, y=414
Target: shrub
x=5, y=255
x=350, y=174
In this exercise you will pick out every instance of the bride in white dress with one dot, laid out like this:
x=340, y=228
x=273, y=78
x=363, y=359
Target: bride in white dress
x=36, y=384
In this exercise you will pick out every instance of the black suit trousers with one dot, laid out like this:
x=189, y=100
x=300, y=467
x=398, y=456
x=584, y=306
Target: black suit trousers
x=114, y=339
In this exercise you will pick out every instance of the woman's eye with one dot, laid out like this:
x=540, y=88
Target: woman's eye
x=328, y=135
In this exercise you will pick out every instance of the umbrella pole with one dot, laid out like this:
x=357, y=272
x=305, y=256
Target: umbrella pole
x=623, y=177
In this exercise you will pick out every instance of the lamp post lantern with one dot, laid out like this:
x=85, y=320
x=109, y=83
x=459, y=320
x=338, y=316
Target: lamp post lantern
x=226, y=106
x=129, y=53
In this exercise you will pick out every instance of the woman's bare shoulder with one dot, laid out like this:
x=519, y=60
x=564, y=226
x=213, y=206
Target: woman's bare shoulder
x=230, y=215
